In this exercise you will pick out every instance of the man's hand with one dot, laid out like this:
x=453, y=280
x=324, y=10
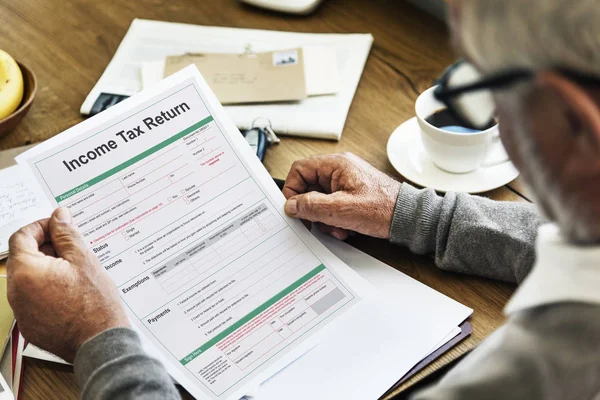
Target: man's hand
x=344, y=193
x=60, y=294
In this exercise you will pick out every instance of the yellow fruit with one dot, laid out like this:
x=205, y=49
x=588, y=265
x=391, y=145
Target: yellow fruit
x=11, y=85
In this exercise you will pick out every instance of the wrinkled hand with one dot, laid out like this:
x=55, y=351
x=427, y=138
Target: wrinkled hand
x=60, y=294
x=344, y=193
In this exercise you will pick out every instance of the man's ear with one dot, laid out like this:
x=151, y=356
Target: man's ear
x=579, y=101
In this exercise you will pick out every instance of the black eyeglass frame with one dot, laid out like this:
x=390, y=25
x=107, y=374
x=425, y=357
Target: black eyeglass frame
x=501, y=80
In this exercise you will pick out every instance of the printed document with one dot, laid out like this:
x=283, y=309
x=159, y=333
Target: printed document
x=188, y=223
x=21, y=202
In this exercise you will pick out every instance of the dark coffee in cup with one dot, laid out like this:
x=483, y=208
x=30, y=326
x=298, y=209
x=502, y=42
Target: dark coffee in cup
x=444, y=119
x=454, y=151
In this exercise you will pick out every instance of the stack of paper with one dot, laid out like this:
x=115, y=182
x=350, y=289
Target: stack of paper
x=320, y=117
x=234, y=297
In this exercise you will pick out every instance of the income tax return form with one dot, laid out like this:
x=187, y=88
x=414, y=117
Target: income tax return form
x=176, y=206
x=225, y=288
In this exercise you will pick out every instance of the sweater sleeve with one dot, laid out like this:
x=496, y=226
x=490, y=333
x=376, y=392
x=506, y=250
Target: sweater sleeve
x=468, y=234
x=113, y=365
x=548, y=352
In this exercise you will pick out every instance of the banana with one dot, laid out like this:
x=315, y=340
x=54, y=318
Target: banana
x=11, y=85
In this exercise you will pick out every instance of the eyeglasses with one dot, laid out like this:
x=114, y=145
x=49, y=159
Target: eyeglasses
x=469, y=96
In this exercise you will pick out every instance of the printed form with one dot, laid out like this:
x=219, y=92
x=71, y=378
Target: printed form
x=175, y=206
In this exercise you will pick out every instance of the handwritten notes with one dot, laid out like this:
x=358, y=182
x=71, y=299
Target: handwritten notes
x=21, y=202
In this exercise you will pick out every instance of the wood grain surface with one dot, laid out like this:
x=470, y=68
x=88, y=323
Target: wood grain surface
x=69, y=43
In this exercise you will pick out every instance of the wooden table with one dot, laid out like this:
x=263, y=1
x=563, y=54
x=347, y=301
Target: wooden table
x=68, y=45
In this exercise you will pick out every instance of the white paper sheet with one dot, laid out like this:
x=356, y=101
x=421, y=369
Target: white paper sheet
x=6, y=367
x=321, y=70
x=18, y=370
x=388, y=335
x=5, y=393
x=21, y=202
x=33, y=351
x=445, y=340
x=320, y=117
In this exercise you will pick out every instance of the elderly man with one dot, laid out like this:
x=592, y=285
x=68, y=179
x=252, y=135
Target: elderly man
x=541, y=60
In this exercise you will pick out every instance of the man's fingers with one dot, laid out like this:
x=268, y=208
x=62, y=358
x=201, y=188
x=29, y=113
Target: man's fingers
x=310, y=174
x=66, y=240
x=24, y=247
x=295, y=183
x=29, y=238
x=318, y=207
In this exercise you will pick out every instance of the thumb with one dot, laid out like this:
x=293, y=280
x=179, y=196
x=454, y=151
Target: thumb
x=317, y=207
x=66, y=240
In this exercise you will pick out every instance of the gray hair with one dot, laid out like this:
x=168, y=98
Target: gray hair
x=535, y=34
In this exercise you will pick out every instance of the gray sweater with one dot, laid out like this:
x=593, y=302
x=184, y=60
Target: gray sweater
x=530, y=357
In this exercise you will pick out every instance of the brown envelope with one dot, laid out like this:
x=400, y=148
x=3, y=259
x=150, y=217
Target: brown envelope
x=248, y=78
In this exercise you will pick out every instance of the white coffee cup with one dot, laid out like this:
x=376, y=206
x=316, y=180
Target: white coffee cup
x=456, y=152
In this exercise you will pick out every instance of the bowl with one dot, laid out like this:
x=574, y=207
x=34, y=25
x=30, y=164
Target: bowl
x=9, y=123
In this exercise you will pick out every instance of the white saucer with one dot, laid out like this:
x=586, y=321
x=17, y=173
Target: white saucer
x=408, y=156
